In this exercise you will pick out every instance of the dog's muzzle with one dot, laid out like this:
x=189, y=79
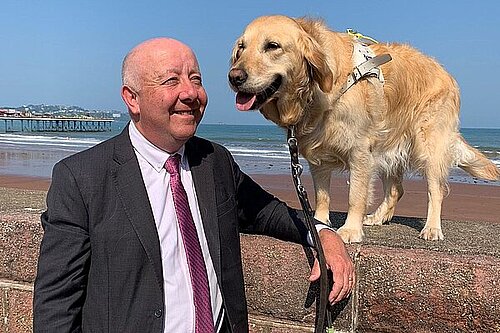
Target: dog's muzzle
x=247, y=99
x=237, y=77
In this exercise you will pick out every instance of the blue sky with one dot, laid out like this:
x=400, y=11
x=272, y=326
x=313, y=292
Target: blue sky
x=70, y=51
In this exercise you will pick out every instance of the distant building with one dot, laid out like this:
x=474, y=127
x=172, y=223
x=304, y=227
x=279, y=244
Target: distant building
x=9, y=112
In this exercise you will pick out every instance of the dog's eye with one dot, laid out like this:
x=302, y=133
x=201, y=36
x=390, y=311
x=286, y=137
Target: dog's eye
x=240, y=49
x=272, y=46
x=238, y=52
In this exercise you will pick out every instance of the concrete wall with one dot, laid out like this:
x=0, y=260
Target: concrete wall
x=399, y=289
x=20, y=236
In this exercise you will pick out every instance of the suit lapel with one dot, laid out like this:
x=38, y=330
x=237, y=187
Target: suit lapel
x=203, y=177
x=132, y=193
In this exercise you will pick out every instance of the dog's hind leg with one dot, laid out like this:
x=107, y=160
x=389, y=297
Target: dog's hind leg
x=393, y=191
x=436, y=167
x=435, y=138
x=435, y=191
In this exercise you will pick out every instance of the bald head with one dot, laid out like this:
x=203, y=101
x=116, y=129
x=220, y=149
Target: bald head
x=163, y=91
x=137, y=63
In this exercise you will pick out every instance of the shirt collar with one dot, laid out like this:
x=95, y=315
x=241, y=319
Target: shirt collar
x=152, y=154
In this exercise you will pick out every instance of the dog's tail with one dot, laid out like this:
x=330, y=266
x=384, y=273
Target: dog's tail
x=474, y=162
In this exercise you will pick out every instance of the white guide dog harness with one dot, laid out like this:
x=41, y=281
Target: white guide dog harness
x=365, y=61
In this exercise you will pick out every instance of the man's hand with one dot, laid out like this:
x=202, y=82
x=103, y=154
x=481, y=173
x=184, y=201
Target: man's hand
x=339, y=262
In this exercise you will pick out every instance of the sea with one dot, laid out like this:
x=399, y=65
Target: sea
x=258, y=149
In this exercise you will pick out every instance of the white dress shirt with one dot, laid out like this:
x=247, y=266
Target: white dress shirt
x=179, y=305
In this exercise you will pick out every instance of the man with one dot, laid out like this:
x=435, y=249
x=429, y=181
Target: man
x=115, y=256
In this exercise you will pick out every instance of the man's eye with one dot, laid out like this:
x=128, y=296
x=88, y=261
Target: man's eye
x=196, y=79
x=169, y=80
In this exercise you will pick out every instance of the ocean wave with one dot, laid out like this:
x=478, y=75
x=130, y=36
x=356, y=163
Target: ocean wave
x=260, y=156
x=48, y=144
x=244, y=141
x=256, y=150
x=53, y=141
x=244, y=150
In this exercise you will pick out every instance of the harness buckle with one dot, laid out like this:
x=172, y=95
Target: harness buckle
x=356, y=74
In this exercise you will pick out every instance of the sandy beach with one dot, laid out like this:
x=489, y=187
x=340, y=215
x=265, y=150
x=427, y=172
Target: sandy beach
x=465, y=202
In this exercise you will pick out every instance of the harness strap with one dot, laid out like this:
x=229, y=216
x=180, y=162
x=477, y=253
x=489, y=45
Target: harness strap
x=364, y=70
x=367, y=40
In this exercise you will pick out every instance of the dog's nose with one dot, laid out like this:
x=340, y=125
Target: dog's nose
x=237, y=77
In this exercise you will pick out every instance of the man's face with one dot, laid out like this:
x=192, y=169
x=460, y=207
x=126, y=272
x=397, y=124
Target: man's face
x=171, y=100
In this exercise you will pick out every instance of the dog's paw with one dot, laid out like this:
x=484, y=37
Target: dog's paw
x=431, y=234
x=371, y=219
x=350, y=235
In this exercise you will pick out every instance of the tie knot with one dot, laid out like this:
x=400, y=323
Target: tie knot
x=172, y=164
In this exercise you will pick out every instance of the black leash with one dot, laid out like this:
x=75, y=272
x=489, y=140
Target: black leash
x=322, y=312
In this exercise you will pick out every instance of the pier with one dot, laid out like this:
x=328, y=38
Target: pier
x=47, y=124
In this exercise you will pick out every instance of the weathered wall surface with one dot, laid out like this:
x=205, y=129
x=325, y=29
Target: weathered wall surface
x=403, y=286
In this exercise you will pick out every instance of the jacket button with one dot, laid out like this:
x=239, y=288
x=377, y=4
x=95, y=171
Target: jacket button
x=158, y=313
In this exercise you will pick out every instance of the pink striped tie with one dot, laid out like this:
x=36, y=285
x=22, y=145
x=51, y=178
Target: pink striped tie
x=197, y=270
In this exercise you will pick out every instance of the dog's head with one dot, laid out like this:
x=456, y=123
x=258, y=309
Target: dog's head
x=275, y=67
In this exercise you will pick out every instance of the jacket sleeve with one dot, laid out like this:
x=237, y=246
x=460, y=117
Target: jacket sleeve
x=64, y=259
x=260, y=212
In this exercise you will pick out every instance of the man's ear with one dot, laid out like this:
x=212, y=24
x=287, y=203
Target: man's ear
x=131, y=98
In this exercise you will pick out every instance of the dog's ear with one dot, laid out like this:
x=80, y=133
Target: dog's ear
x=316, y=60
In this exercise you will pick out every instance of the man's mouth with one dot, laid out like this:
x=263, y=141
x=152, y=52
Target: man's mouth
x=252, y=101
x=184, y=113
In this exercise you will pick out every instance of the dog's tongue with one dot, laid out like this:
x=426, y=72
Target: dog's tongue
x=245, y=101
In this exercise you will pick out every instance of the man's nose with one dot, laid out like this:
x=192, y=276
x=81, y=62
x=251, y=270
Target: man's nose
x=189, y=92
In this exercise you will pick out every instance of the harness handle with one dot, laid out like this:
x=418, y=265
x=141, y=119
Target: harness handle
x=322, y=312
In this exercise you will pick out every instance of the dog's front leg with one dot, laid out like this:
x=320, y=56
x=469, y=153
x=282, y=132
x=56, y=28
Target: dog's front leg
x=321, y=175
x=361, y=165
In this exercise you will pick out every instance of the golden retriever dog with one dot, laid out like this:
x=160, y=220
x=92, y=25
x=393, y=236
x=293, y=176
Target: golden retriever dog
x=292, y=70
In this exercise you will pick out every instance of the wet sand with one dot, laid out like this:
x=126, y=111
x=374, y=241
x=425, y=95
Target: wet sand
x=465, y=202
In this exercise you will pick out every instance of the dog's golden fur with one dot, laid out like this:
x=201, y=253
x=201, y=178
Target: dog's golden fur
x=408, y=123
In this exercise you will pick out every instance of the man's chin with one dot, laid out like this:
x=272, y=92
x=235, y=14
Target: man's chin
x=184, y=133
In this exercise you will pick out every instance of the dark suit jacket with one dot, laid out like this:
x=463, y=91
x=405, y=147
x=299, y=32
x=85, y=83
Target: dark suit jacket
x=99, y=268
